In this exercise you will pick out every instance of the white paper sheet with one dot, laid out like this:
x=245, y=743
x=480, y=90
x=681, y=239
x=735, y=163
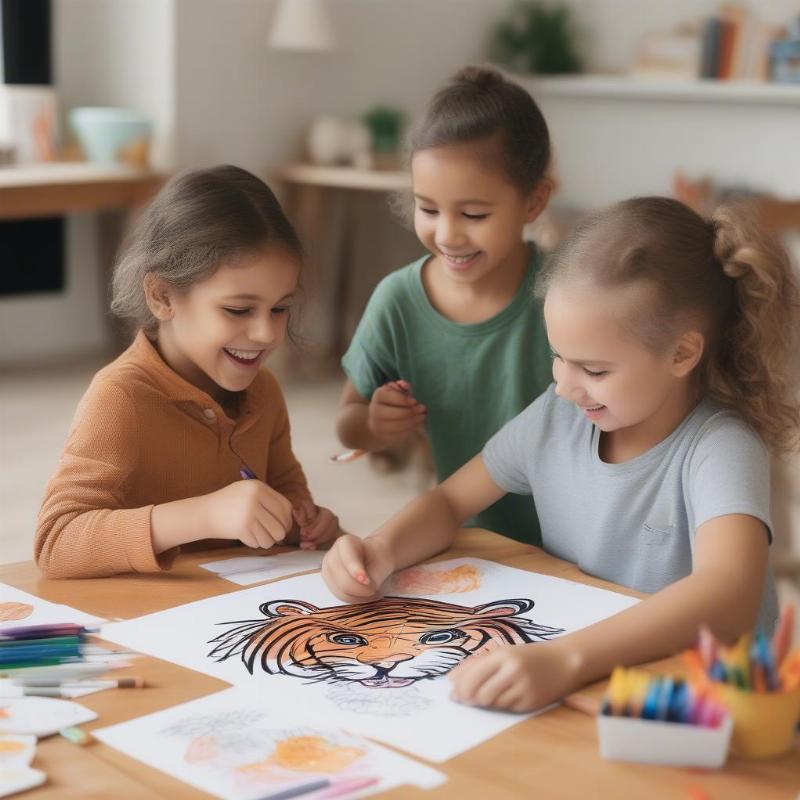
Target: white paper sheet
x=235, y=745
x=255, y=569
x=377, y=669
x=41, y=716
x=18, y=608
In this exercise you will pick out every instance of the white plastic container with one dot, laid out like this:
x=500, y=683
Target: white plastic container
x=673, y=744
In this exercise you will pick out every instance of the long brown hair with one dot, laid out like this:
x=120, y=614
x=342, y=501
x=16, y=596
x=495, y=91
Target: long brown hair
x=201, y=219
x=725, y=275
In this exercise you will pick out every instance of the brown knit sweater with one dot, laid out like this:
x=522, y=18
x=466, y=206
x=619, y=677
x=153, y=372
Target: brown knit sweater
x=142, y=435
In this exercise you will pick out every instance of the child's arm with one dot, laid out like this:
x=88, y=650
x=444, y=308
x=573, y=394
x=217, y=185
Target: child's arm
x=249, y=511
x=723, y=591
x=85, y=529
x=354, y=569
x=387, y=418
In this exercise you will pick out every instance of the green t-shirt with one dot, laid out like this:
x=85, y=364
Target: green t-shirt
x=472, y=378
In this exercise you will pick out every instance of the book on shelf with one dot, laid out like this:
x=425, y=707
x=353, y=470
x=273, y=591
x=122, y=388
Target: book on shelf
x=735, y=45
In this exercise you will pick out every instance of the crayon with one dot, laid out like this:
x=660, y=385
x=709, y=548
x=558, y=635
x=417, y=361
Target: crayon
x=764, y=658
x=650, y=705
x=298, y=790
x=782, y=639
x=615, y=691
x=695, y=666
x=676, y=705
x=790, y=671
x=666, y=685
x=740, y=661
x=639, y=686
x=718, y=672
x=347, y=787
x=707, y=647
x=76, y=735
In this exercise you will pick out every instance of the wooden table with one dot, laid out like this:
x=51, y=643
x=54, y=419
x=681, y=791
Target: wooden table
x=48, y=190
x=553, y=756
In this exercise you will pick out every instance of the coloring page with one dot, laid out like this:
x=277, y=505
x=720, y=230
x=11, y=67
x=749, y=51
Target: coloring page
x=379, y=668
x=234, y=745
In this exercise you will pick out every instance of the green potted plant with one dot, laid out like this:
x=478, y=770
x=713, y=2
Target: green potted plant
x=536, y=37
x=385, y=126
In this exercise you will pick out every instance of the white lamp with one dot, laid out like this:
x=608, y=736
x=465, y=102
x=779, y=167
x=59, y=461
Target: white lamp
x=302, y=25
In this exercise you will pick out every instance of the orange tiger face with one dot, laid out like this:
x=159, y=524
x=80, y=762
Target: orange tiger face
x=390, y=643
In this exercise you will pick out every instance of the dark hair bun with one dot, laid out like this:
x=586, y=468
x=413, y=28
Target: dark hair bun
x=486, y=78
x=481, y=104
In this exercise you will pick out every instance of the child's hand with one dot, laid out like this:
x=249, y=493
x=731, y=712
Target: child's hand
x=318, y=525
x=248, y=510
x=394, y=412
x=355, y=568
x=516, y=677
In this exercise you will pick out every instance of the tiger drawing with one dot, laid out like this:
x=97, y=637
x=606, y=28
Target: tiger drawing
x=389, y=643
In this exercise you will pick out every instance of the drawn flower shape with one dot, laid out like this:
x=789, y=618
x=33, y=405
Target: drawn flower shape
x=310, y=753
x=11, y=611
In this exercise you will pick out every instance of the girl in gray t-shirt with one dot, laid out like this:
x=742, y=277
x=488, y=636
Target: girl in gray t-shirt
x=647, y=458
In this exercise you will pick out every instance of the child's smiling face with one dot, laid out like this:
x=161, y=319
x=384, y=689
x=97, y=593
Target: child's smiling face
x=218, y=332
x=466, y=211
x=600, y=365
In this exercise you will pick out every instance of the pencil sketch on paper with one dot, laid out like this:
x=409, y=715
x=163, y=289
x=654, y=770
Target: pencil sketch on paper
x=249, y=752
x=352, y=696
x=430, y=579
x=390, y=643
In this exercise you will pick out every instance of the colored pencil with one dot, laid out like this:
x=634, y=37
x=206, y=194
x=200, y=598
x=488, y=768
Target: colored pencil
x=44, y=631
x=782, y=639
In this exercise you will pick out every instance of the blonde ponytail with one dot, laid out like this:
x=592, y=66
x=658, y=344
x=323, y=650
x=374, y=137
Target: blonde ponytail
x=753, y=369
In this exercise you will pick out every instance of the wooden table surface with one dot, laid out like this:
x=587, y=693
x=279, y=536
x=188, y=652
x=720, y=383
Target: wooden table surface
x=553, y=756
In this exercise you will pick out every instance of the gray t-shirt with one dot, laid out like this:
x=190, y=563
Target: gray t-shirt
x=632, y=523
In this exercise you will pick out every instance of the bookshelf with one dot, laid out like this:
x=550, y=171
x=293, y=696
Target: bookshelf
x=665, y=89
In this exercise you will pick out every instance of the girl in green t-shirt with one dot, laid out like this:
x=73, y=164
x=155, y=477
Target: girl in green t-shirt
x=454, y=342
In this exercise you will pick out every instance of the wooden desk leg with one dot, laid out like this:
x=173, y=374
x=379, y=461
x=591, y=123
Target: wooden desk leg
x=111, y=227
x=320, y=218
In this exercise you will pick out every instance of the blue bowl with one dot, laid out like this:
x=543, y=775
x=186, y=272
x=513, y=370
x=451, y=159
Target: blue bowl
x=103, y=133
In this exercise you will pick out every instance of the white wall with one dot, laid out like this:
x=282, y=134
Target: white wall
x=106, y=52
x=202, y=71
x=240, y=101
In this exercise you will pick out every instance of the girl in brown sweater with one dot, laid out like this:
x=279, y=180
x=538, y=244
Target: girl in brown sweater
x=166, y=434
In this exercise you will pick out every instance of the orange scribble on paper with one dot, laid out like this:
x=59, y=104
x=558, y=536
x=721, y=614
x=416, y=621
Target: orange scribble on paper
x=312, y=754
x=7, y=746
x=5, y=713
x=201, y=749
x=427, y=581
x=12, y=611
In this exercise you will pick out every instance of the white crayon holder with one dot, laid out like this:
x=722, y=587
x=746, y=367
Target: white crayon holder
x=674, y=744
